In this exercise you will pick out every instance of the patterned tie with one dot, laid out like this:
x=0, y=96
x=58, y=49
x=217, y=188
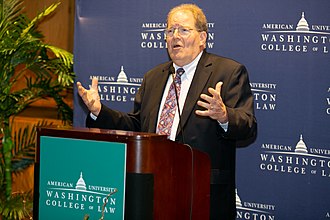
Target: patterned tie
x=170, y=105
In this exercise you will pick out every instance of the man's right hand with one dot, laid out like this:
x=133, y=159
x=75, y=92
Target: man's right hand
x=91, y=97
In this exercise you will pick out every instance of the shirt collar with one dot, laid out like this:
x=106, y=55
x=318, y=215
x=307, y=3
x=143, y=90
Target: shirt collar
x=190, y=67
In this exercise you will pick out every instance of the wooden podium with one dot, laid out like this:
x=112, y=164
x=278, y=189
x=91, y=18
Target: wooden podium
x=164, y=179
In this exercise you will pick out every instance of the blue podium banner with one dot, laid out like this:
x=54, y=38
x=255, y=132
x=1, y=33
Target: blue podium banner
x=285, y=173
x=81, y=178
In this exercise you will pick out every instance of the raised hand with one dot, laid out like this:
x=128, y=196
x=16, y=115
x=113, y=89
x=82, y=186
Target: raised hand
x=215, y=108
x=91, y=97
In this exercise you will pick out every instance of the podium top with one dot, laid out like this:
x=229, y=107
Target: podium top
x=98, y=134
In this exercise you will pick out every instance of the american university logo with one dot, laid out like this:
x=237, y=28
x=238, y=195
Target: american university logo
x=295, y=160
x=253, y=210
x=80, y=196
x=118, y=88
x=301, y=37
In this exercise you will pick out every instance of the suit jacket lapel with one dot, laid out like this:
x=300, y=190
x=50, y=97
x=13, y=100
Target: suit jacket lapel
x=201, y=76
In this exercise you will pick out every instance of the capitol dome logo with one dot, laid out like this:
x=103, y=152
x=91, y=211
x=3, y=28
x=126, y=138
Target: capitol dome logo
x=301, y=147
x=303, y=24
x=122, y=78
x=81, y=183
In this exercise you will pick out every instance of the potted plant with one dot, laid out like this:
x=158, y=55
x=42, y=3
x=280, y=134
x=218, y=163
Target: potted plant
x=46, y=71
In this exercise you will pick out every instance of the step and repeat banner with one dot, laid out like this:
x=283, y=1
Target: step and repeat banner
x=285, y=173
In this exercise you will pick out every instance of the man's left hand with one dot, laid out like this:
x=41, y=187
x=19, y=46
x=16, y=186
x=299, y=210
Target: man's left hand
x=215, y=108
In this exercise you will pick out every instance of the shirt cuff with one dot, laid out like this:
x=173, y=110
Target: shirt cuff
x=224, y=126
x=93, y=116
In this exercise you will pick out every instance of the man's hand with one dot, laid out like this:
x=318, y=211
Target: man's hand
x=91, y=97
x=215, y=108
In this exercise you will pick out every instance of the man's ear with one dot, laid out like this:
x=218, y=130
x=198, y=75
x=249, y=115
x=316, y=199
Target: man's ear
x=203, y=37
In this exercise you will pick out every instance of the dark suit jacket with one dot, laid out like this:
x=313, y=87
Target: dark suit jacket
x=202, y=133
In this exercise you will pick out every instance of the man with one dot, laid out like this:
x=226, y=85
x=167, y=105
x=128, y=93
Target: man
x=215, y=103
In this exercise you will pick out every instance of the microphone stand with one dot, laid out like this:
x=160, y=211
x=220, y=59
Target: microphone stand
x=183, y=141
x=106, y=202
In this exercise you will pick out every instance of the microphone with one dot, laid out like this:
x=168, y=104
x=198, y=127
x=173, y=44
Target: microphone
x=172, y=72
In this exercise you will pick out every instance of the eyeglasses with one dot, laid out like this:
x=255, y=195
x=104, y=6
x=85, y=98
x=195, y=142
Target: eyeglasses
x=182, y=31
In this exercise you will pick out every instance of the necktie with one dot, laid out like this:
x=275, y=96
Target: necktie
x=170, y=105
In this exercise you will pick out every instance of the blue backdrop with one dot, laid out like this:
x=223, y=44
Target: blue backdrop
x=285, y=45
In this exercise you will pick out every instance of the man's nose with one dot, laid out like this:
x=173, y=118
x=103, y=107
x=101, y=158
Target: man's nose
x=176, y=32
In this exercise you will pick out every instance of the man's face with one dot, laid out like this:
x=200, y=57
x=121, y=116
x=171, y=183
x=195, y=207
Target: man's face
x=182, y=48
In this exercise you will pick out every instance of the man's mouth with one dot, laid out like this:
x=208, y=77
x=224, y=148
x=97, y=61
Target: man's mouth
x=176, y=46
